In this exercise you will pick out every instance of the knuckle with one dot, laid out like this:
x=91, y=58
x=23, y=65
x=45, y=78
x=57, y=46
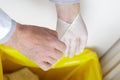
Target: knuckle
x=49, y=51
x=52, y=40
x=55, y=42
x=59, y=55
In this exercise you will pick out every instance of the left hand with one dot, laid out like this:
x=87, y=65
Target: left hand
x=39, y=44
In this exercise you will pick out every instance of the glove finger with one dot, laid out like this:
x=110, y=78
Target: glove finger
x=77, y=46
x=81, y=47
x=72, y=48
x=67, y=42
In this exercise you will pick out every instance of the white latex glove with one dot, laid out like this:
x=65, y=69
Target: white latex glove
x=73, y=35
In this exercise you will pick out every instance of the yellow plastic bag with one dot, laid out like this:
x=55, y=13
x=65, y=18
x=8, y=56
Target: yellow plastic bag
x=83, y=67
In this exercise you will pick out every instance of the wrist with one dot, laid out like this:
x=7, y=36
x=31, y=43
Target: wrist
x=67, y=12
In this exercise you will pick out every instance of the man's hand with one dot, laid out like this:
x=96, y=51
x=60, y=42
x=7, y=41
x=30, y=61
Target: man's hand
x=37, y=43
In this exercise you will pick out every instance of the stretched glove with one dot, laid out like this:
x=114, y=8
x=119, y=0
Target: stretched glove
x=73, y=35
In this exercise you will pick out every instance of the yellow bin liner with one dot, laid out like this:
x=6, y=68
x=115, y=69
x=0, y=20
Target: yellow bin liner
x=82, y=67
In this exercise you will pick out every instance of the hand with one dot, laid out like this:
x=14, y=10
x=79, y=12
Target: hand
x=73, y=35
x=37, y=43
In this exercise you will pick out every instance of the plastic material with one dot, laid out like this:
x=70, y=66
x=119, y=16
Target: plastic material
x=7, y=27
x=82, y=67
x=73, y=35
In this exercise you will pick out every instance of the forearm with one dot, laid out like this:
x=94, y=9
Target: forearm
x=67, y=11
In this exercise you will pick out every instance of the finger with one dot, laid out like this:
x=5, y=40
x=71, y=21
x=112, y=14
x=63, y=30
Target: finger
x=72, y=48
x=66, y=54
x=49, y=59
x=82, y=45
x=52, y=60
x=78, y=47
x=56, y=55
x=60, y=46
x=45, y=65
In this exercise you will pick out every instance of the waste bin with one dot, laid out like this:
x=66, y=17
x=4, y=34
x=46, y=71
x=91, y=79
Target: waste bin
x=82, y=67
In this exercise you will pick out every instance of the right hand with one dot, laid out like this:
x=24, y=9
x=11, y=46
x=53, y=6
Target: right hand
x=73, y=35
x=71, y=28
x=37, y=43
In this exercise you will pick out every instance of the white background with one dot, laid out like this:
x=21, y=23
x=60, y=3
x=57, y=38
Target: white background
x=102, y=18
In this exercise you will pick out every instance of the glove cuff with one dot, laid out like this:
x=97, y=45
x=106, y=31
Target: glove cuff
x=62, y=27
x=7, y=27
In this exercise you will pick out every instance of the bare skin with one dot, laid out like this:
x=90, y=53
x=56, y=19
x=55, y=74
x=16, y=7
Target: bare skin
x=37, y=43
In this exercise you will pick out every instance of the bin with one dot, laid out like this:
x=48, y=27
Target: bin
x=82, y=67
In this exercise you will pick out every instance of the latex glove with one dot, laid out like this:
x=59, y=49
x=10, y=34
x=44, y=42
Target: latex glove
x=73, y=35
x=39, y=44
